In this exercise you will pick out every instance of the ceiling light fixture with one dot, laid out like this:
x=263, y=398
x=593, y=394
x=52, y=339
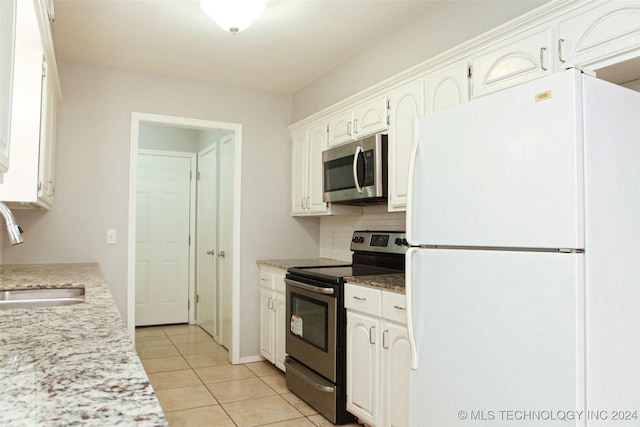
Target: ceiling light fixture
x=233, y=15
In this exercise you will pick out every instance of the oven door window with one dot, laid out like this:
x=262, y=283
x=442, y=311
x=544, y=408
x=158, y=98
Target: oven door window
x=310, y=320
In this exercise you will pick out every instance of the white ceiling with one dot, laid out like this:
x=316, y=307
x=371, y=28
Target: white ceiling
x=291, y=45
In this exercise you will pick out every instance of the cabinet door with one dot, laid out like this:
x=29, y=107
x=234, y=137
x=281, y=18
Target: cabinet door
x=267, y=324
x=7, y=44
x=406, y=102
x=299, y=159
x=447, y=87
x=340, y=129
x=371, y=118
x=317, y=143
x=21, y=183
x=516, y=61
x=363, y=366
x=280, y=325
x=396, y=360
x=46, y=175
x=602, y=33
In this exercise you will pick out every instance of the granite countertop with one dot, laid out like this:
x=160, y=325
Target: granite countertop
x=73, y=365
x=388, y=282
x=301, y=262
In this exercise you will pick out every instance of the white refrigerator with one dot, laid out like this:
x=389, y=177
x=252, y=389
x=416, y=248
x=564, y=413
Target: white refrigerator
x=523, y=279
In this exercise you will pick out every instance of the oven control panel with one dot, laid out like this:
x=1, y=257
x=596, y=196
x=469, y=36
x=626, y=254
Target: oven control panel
x=380, y=241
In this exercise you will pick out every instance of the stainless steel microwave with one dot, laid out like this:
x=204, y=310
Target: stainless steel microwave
x=356, y=173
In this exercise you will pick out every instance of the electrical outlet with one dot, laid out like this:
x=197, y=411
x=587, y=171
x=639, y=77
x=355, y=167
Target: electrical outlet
x=111, y=237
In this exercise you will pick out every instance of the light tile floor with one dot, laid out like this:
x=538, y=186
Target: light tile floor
x=197, y=386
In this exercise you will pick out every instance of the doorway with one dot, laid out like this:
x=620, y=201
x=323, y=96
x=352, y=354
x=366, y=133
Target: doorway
x=225, y=299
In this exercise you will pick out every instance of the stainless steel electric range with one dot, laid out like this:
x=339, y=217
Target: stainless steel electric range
x=316, y=337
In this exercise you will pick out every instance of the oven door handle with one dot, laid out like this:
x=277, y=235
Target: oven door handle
x=307, y=287
x=320, y=387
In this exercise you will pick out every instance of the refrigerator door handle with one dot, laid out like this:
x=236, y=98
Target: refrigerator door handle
x=408, y=285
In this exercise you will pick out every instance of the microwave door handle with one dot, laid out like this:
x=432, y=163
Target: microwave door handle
x=356, y=156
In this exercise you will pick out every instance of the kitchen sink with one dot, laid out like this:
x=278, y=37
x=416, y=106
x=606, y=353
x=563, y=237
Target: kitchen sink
x=37, y=298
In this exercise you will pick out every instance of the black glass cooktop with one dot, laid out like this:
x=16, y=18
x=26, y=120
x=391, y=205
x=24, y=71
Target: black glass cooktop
x=338, y=273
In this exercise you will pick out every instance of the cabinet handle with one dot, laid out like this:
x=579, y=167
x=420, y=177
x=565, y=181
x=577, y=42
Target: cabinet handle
x=542, y=51
x=355, y=126
x=308, y=202
x=359, y=298
x=397, y=307
x=372, y=337
x=560, y=41
x=349, y=128
x=385, y=339
x=303, y=203
x=270, y=303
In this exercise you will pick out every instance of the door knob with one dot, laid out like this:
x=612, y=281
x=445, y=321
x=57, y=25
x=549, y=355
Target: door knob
x=221, y=254
x=211, y=252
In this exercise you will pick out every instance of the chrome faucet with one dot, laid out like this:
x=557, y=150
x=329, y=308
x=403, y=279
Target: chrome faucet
x=13, y=229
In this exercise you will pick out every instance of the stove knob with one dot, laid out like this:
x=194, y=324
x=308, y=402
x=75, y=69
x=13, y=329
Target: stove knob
x=404, y=242
x=398, y=241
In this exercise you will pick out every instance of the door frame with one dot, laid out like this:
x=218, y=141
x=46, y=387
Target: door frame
x=192, y=219
x=236, y=128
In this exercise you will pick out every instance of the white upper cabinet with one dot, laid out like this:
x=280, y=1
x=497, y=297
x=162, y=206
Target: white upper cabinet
x=599, y=34
x=299, y=175
x=30, y=182
x=406, y=102
x=307, y=174
x=517, y=60
x=447, y=87
x=7, y=45
x=317, y=143
x=367, y=119
x=589, y=34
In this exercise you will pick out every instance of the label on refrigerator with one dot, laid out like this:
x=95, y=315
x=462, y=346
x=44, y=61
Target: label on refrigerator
x=296, y=325
x=543, y=96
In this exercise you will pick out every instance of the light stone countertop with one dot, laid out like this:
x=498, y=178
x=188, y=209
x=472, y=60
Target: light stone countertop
x=301, y=262
x=73, y=365
x=387, y=282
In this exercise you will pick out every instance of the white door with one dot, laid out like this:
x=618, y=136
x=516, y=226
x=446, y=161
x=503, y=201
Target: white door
x=504, y=170
x=207, y=236
x=225, y=240
x=495, y=330
x=162, y=239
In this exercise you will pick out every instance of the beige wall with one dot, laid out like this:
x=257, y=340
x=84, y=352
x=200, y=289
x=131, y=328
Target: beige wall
x=446, y=25
x=92, y=170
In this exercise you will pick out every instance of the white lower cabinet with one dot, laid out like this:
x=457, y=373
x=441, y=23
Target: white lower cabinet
x=378, y=356
x=272, y=315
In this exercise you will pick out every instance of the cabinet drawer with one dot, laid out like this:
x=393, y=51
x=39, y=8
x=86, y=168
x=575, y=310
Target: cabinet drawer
x=394, y=307
x=266, y=280
x=278, y=283
x=363, y=299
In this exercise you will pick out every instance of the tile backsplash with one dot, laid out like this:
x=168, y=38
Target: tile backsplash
x=336, y=231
